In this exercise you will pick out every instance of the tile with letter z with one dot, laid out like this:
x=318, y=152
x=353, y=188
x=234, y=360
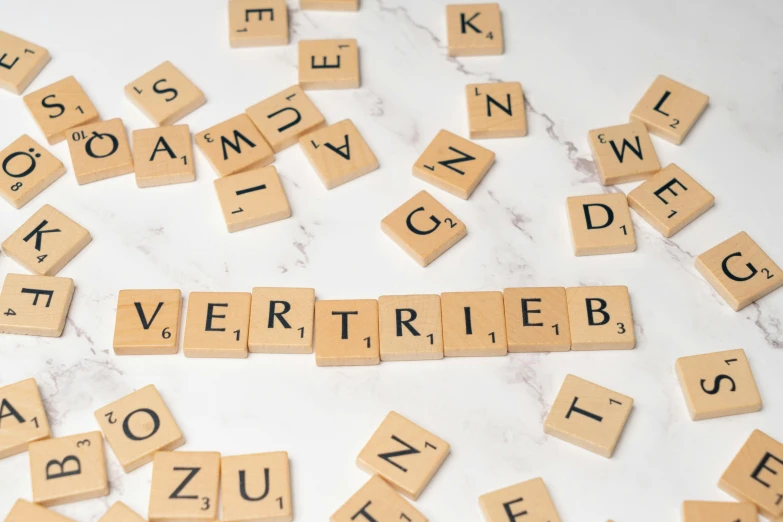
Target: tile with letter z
x=253, y=198
x=346, y=333
x=185, y=486
x=623, y=153
x=474, y=29
x=600, y=318
x=27, y=169
x=165, y=95
x=23, y=417
x=35, y=305
x=669, y=109
x=528, y=499
x=20, y=62
x=376, y=500
x=59, y=107
x=256, y=488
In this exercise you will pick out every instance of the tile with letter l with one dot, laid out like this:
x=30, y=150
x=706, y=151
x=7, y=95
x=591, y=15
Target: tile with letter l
x=623, y=153
x=147, y=322
x=185, y=486
x=600, y=224
x=24, y=511
x=474, y=29
x=235, y=145
x=100, y=151
x=537, y=320
x=59, y=107
x=376, y=500
x=474, y=324
x=163, y=156
x=281, y=320
x=496, y=110
x=35, y=305
x=346, y=333
x=600, y=318
x=28, y=169
x=329, y=64
x=286, y=117
x=256, y=488
x=252, y=198
x=528, y=499
x=338, y=153
x=257, y=23
x=695, y=511
x=217, y=324
x=165, y=95
x=20, y=62
x=669, y=109
x=410, y=327
x=23, y=417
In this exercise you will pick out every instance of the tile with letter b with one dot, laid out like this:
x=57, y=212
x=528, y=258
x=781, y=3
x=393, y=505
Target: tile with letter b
x=669, y=109
x=20, y=62
x=537, y=320
x=474, y=324
x=346, y=333
x=22, y=417
x=623, y=153
x=588, y=416
x=164, y=94
x=376, y=500
x=329, y=64
x=27, y=169
x=474, y=29
x=184, y=486
x=338, y=153
x=147, y=322
x=100, y=151
x=528, y=499
x=600, y=318
x=695, y=511
x=163, y=156
x=252, y=198
x=256, y=488
x=235, y=145
x=496, y=110
x=35, y=305
x=600, y=224
x=217, y=324
x=257, y=23
x=410, y=327
x=24, y=511
x=59, y=107
x=119, y=512
x=286, y=117
x=281, y=320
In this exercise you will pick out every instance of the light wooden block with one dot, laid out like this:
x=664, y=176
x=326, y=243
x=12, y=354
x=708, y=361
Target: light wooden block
x=454, y=164
x=670, y=200
x=410, y=327
x=404, y=454
x=496, y=110
x=623, y=153
x=26, y=512
x=147, y=322
x=474, y=324
x=528, y=500
x=329, y=5
x=22, y=417
x=695, y=511
x=588, y=416
x=537, y=320
x=35, y=305
x=286, y=117
x=46, y=242
x=346, y=333
x=20, y=62
x=257, y=23
x=740, y=271
x=217, y=324
x=184, y=486
x=253, y=198
x=281, y=320
x=338, y=153
x=377, y=501
x=29, y=169
x=100, y=151
x=163, y=156
x=600, y=224
x=474, y=29
x=164, y=94
x=600, y=318
x=119, y=512
x=329, y=64
x=256, y=488
x=235, y=145
x=669, y=109
x=59, y=107
x=68, y=469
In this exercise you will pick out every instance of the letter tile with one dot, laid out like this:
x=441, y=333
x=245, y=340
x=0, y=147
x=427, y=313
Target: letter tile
x=119, y=512
x=496, y=110
x=623, y=153
x=329, y=64
x=163, y=156
x=346, y=333
x=35, y=305
x=600, y=318
x=26, y=512
x=256, y=488
x=184, y=486
x=20, y=62
x=147, y=322
x=257, y=23
x=329, y=5
x=252, y=198
x=59, y=107
x=22, y=417
x=165, y=95
x=28, y=168
x=286, y=117
x=528, y=500
x=377, y=501
x=100, y=151
x=669, y=109
x=338, y=153
x=474, y=29
x=281, y=320
x=217, y=324
x=474, y=324
x=235, y=145
x=537, y=320
x=410, y=327
x=693, y=511
x=600, y=224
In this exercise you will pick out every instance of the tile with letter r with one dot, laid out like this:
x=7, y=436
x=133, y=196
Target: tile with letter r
x=256, y=488
x=185, y=486
x=496, y=110
x=695, y=511
x=35, y=305
x=286, y=117
x=119, y=512
x=163, y=156
x=474, y=324
x=669, y=109
x=338, y=153
x=23, y=417
x=165, y=95
x=24, y=511
x=600, y=318
x=346, y=333
x=623, y=153
x=217, y=324
x=329, y=64
x=27, y=169
x=528, y=499
x=257, y=23
x=281, y=320
x=537, y=320
x=376, y=500
x=410, y=327
x=252, y=198
x=147, y=322
x=235, y=145
x=600, y=224
x=100, y=151
x=20, y=62
x=59, y=107
x=474, y=29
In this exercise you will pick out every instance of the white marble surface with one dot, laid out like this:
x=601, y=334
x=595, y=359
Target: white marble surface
x=583, y=65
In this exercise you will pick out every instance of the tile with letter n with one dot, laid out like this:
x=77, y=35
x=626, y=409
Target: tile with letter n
x=377, y=501
x=27, y=169
x=253, y=198
x=59, y=107
x=695, y=511
x=474, y=324
x=410, y=327
x=20, y=62
x=669, y=109
x=338, y=153
x=119, y=512
x=147, y=322
x=528, y=500
x=235, y=145
x=496, y=110
x=588, y=416
x=217, y=324
x=184, y=486
x=346, y=333
x=404, y=454
x=35, y=305
x=256, y=488
x=474, y=29
x=623, y=153
x=286, y=117
x=329, y=64
x=257, y=23
x=537, y=320
x=600, y=318
x=600, y=224
x=163, y=156
x=100, y=151
x=164, y=94
x=281, y=320
x=22, y=417
x=24, y=511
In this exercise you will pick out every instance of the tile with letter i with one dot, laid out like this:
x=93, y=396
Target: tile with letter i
x=217, y=324
x=119, y=512
x=256, y=488
x=600, y=224
x=257, y=23
x=410, y=327
x=338, y=153
x=695, y=511
x=27, y=169
x=35, y=305
x=164, y=94
x=163, y=156
x=253, y=198
x=59, y=107
x=377, y=501
x=496, y=110
x=22, y=417
x=20, y=62
x=474, y=29
x=286, y=117
x=281, y=320
x=346, y=333
x=184, y=486
x=100, y=151
x=623, y=153
x=537, y=320
x=528, y=499
x=329, y=64
x=600, y=318
x=474, y=324
x=24, y=511
x=669, y=109
x=235, y=145
x=147, y=322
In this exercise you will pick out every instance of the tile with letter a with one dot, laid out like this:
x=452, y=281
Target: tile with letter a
x=164, y=94
x=27, y=169
x=235, y=145
x=253, y=198
x=528, y=500
x=496, y=110
x=22, y=417
x=600, y=224
x=623, y=153
x=100, y=151
x=474, y=324
x=286, y=117
x=695, y=511
x=184, y=486
x=35, y=305
x=20, y=62
x=338, y=153
x=59, y=107
x=537, y=320
x=256, y=488
x=474, y=29
x=24, y=511
x=119, y=512
x=600, y=318
x=410, y=327
x=740, y=271
x=281, y=320
x=377, y=501
x=217, y=324
x=257, y=23
x=329, y=64
x=147, y=322
x=669, y=109
x=588, y=416
x=404, y=454
x=346, y=333
x=163, y=156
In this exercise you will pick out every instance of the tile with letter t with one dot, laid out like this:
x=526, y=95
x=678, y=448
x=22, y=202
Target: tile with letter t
x=27, y=169
x=600, y=224
x=474, y=29
x=235, y=145
x=286, y=117
x=217, y=324
x=257, y=23
x=163, y=156
x=119, y=512
x=376, y=500
x=600, y=318
x=281, y=320
x=474, y=324
x=528, y=499
x=588, y=416
x=59, y=107
x=24, y=511
x=23, y=417
x=623, y=153
x=184, y=486
x=20, y=62
x=410, y=327
x=256, y=488
x=253, y=198
x=35, y=305
x=147, y=322
x=496, y=110
x=329, y=64
x=669, y=109
x=346, y=333
x=338, y=153
x=164, y=94
x=537, y=320
x=100, y=151
x=695, y=511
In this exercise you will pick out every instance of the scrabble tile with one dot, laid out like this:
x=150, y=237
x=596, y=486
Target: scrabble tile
x=404, y=454
x=235, y=145
x=474, y=29
x=252, y=198
x=474, y=324
x=693, y=511
x=68, y=469
x=20, y=62
x=163, y=156
x=346, y=333
x=257, y=23
x=527, y=499
x=329, y=64
x=588, y=416
x=256, y=488
x=184, y=486
x=100, y=151
x=537, y=320
x=670, y=200
x=281, y=320
x=600, y=224
x=119, y=512
x=496, y=110
x=739, y=271
x=410, y=327
x=329, y=5
x=147, y=322
x=600, y=318
x=623, y=153
x=286, y=117
x=338, y=153
x=165, y=95
x=26, y=512
x=28, y=169
x=454, y=164
x=22, y=417
x=59, y=107
x=46, y=242
x=35, y=305
x=376, y=500
x=217, y=324
x=669, y=109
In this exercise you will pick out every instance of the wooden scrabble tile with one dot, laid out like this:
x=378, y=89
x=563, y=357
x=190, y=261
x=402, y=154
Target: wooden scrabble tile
x=184, y=486
x=410, y=327
x=35, y=305
x=496, y=110
x=693, y=511
x=119, y=512
x=165, y=95
x=623, y=153
x=329, y=64
x=376, y=500
x=527, y=499
x=670, y=200
x=163, y=156
x=257, y=23
x=20, y=62
x=600, y=224
x=537, y=320
x=235, y=145
x=256, y=488
x=404, y=454
x=338, y=153
x=252, y=198
x=474, y=29
x=669, y=109
x=281, y=320
x=454, y=164
x=28, y=168
x=600, y=318
x=22, y=417
x=346, y=333
x=474, y=324
x=147, y=322
x=100, y=151
x=59, y=107
x=329, y=5
x=68, y=469
x=217, y=324
x=286, y=117
x=739, y=271
x=588, y=416
x=46, y=242
x=26, y=512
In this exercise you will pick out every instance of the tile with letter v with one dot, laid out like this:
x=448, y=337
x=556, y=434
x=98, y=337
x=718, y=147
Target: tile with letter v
x=147, y=322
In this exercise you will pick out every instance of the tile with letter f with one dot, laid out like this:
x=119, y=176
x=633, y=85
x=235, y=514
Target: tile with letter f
x=35, y=305
x=23, y=417
x=623, y=153
x=528, y=500
x=376, y=500
x=20, y=62
x=256, y=488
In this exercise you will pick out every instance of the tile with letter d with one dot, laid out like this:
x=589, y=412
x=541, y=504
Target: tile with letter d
x=59, y=107
x=474, y=324
x=338, y=153
x=694, y=511
x=23, y=415
x=537, y=320
x=281, y=320
x=100, y=151
x=35, y=305
x=27, y=169
x=235, y=145
x=600, y=318
x=257, y=23
x=286, y=117
x=119, y=512
x=20, y=62
x=217, y=324
x=410, y=327
x=185, y=486
x=623, y=153
x=147, y=322
x=329, y=64
x=600, y=224
x=496, y=110
x=669, y=109
x=163, y=156
x=252, y=198
x=256, y=488
x=346, y=333
x=24, y=511
x=376, y=500
x=165, y=95
x=474, y=29
x=528, y=499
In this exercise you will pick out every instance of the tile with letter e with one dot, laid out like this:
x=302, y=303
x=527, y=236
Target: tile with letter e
x=256, y=488
x=163, y=156
x=20, y=62
x=184, y=486
x=474, y=29
x=696, y=511
x=528, y=499
x=281, y=320
x=404, y=454
x=600, y=224
x=669, y=109
x=100, y=151
x=257, y=23
x=286, y=117
x=119, y=512
x=27, y=169
x=338, y=153
x=474, y=324
x=24, y=511
x=376, y=500
x=740, y=271
x=164, y=94
x=623, y=153
x=329, y=5
x=35, y=305
x=537, y=320
x=59, y=107
x=496, y=110
x=235, y=145
x=217, y=324
x=329, y=64
x=253, y=198
x=600, y=318
x=410, y=327
x=346, y=333
x=23, y=417
x=588, y=416
x=147, y=322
